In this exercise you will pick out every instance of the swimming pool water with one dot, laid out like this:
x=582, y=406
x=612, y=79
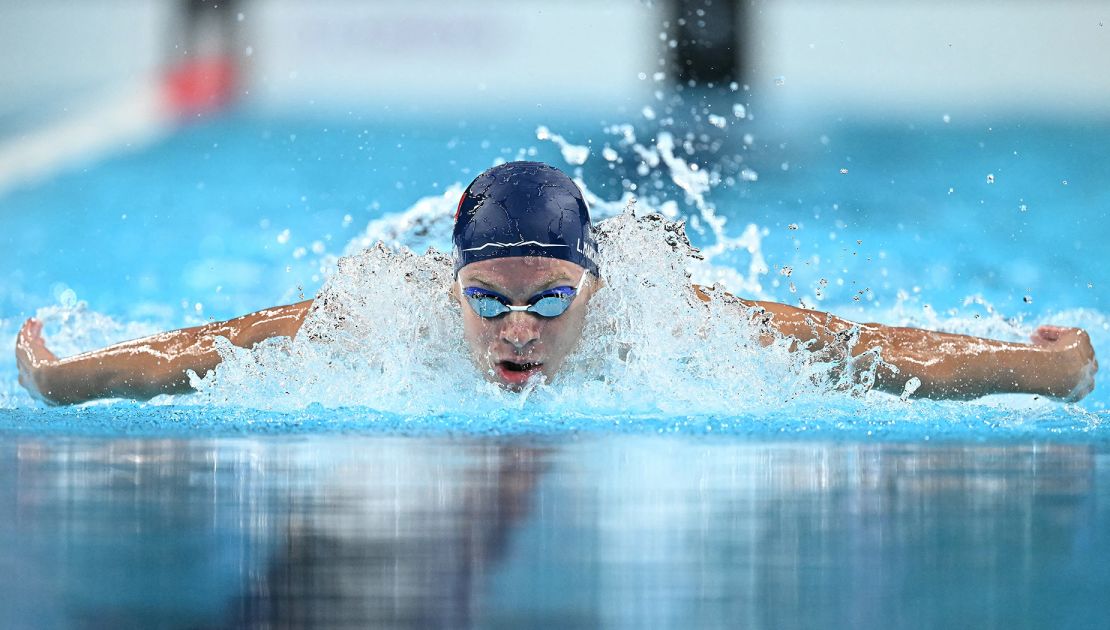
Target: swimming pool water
x=632, y=531
x=860, y=512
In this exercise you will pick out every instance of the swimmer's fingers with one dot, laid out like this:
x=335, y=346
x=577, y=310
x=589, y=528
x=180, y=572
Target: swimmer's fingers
x=31, y=355
x=1076, y=361
x=1086, y=383
x=31, y=341
x=1047, y=335
x=1090, y=368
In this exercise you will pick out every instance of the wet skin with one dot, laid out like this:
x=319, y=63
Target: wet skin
x=515, y=347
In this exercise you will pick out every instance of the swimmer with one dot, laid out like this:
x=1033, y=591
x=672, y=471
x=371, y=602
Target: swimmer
x=525, y=270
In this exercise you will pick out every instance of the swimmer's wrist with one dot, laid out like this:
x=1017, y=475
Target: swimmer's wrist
x=1030, y=369
x=1050, y=373
x=44, y=377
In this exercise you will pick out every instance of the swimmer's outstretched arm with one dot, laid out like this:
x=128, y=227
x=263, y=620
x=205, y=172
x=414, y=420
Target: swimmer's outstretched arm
x=143, y=368
x=1058, y=362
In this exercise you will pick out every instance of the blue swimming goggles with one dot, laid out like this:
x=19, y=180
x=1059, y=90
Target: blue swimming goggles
x=550, y=303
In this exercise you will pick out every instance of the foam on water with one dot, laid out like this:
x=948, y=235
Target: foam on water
x=385, y=333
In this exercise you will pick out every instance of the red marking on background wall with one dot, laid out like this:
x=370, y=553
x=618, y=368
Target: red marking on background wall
x=198, y=86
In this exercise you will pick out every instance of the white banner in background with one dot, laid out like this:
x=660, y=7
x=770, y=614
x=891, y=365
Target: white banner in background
x=437, y=54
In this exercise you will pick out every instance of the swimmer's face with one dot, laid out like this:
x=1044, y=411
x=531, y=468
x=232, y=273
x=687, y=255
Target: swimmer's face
x=514, y=347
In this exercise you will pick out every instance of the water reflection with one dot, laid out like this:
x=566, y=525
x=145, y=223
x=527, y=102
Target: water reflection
x=605, y=532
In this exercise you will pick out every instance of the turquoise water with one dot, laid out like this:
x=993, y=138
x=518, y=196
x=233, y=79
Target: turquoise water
x=822, y=510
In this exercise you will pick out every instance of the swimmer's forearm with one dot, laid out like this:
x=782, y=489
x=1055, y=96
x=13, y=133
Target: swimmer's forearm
x=958, y=366
x=140, y=369
x=145, y=368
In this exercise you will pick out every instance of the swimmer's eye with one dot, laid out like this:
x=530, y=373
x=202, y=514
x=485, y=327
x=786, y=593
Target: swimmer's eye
x=565, y=293
x=484, y=294
x=486, y=304
x=552, y=302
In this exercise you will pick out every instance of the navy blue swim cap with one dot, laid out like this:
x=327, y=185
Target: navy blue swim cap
x=524, y=209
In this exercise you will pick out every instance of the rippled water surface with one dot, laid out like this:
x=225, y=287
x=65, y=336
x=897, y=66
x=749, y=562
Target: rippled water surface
x=617, y=531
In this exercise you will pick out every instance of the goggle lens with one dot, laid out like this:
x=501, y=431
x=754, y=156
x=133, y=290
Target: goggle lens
x=487, y=306
x=551, y=306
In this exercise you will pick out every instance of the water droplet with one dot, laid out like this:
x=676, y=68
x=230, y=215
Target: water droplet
x=843, y=171
x=739, y=110
x=718, y=121
x=283, y=238
x=910, y=387
x=648, y=112
x=68, y=298
x=780, y=81
x=1023, y=208
x=642, y=76
x=946, y=118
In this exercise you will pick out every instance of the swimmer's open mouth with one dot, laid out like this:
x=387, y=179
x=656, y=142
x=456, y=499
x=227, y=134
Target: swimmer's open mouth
x=512, y=366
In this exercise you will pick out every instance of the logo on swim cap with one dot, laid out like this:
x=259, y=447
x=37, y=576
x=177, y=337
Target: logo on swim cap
x=524, y=209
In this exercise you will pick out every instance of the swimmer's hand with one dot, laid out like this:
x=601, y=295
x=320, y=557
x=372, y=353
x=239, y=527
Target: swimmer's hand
x=34, y=360
x=1069, y=364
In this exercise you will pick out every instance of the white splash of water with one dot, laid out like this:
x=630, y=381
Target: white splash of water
x=574, y=154
x=427, y=223
x=385, y=333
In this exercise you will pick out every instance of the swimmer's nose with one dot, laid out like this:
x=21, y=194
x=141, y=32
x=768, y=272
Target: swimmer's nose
x=520, y=331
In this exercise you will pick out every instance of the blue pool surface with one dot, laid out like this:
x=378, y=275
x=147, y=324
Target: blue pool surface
x=828, y=511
